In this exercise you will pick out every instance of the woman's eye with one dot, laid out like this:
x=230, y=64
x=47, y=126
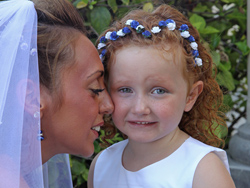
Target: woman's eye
x=159, y=91
x=125, y=90
x=97, y=91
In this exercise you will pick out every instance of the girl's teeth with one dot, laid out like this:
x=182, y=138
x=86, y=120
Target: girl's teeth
x=143, y=123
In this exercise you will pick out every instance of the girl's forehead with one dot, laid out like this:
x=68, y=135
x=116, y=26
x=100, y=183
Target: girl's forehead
x=171, y=52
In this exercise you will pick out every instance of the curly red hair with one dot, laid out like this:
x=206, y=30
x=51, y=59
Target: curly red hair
x=204, y=120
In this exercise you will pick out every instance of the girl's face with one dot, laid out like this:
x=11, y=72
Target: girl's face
x=69, y=128
x=149, y=92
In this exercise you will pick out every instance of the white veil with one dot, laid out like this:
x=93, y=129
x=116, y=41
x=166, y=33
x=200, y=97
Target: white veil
x=20, y=147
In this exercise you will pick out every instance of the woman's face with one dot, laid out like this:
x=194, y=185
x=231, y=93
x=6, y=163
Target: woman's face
x=70, y=128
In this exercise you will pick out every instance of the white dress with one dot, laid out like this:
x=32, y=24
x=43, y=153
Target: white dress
x=174, y=171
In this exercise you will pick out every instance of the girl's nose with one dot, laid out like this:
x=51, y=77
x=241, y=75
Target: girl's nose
x=141, y=106
x=106, y=104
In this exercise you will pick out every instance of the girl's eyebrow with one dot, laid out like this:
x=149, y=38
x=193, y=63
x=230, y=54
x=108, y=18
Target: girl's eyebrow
x=97, y=72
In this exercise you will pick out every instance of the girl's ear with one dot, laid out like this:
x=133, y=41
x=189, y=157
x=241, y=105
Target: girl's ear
x=193, y=95
x=28, y=95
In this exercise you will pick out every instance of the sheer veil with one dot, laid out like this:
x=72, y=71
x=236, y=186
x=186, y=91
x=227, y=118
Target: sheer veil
x=20, y=146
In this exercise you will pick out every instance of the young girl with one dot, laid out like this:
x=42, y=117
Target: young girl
x=166, y=101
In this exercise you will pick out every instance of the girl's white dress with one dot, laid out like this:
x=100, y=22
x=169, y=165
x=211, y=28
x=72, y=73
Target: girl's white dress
x=174, y=171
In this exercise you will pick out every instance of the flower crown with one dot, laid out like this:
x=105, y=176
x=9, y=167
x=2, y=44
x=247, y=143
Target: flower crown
x=169, y=23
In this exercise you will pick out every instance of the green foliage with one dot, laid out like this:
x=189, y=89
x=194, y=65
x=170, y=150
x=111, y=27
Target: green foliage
x=222, y=30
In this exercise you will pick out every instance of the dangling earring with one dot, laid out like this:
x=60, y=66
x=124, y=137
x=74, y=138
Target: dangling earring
x=40, y=132
x=40, y=135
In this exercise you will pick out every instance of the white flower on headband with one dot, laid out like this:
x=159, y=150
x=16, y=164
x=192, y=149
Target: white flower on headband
x=194, y=45
x=101, y=45
x=120, y=33
x=185, y=34
x=128, y=22
x=155, y=29
x=107, y=36
x=198, y=61
x=139, y=27
x=171, y=26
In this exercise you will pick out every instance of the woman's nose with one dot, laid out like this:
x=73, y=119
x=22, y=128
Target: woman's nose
x=106, y=104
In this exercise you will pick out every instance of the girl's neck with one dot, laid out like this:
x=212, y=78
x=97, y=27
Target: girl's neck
x=139, y=155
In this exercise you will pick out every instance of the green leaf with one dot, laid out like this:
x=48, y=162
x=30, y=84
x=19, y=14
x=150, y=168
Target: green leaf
x=113, y=5
x=138, y=1
x=228, y=101
x=215, y=40
x=198, y=22
x=82, y=4
x=216, y=58
x=148, y=7
x=229, y=1
x=77, y=167
x=85, y=175
x=225, y=79
x=224, y=66
x=126, y=2
x=209, y=30
x=97, y=147
x=200, y=8
x=76, y=2
x=236, y=15
x=100, y=19
x=242, y=46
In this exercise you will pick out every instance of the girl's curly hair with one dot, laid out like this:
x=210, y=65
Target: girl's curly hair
x=204, y=120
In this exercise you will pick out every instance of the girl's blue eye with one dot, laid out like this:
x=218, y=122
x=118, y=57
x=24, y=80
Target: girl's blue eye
x=97, y=91
x=125, y=90
x=159, y=91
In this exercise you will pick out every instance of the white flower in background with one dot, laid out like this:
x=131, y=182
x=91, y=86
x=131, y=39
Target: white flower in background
x=216, y=16
x=215, y=9
x=100, y=45
x=228, y=6
x=107, y=36
x=155, y=29
x=230, y=32
x=185, y=34
x=120, y=33
x=229, y=41
x=233, y=29
x=236, y=28
x=237, y=60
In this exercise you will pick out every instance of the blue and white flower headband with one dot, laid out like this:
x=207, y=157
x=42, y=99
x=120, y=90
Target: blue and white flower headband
x=169, y=23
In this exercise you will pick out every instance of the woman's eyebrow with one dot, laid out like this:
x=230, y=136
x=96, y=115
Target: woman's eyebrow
x=97, y=72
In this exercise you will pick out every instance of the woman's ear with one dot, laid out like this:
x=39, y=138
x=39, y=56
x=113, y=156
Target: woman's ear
x=193, y=95
x=45, y=99
x=28, y=95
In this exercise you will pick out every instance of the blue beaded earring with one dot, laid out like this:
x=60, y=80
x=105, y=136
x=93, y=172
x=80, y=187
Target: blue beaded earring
x=40, y=135
x=40, y=132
